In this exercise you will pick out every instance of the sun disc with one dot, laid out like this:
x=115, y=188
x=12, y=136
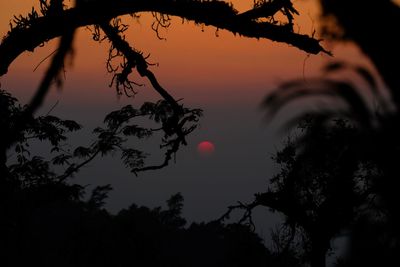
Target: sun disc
x=206, y=148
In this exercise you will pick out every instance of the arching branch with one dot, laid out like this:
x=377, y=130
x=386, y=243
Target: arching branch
x=40, y=29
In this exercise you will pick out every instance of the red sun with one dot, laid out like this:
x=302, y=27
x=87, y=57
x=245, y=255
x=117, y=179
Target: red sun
x=205, y=148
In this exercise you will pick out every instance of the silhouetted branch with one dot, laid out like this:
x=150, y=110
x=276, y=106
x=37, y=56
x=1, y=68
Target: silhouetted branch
x=174, y=144
x=247, y=216
x=107, y=139
x=40, y=29
x=136, y=60
x=267, y=9
x=175, y=124
x=72, y=169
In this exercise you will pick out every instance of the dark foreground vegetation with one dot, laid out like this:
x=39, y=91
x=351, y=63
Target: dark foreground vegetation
x=339, y=171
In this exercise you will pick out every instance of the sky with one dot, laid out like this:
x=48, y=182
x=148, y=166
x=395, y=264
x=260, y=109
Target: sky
x=225, y=75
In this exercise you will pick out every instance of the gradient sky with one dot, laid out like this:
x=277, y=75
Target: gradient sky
x=227, y=76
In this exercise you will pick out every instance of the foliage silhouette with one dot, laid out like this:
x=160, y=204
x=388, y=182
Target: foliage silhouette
x=340, y=175
x=121, y=126
x=316, y=189
x=47, y=221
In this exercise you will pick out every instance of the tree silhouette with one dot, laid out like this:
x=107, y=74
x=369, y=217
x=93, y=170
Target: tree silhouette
x=55, y=19
x=316, y=189
x=47, y=219
x=342, y=173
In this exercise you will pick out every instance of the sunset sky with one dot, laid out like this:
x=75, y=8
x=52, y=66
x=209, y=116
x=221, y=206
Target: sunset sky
x=225, y=75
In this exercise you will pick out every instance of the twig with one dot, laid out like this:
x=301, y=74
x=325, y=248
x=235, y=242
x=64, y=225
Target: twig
x=43, y=60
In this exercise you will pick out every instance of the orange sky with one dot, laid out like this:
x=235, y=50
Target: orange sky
x=193, y=64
